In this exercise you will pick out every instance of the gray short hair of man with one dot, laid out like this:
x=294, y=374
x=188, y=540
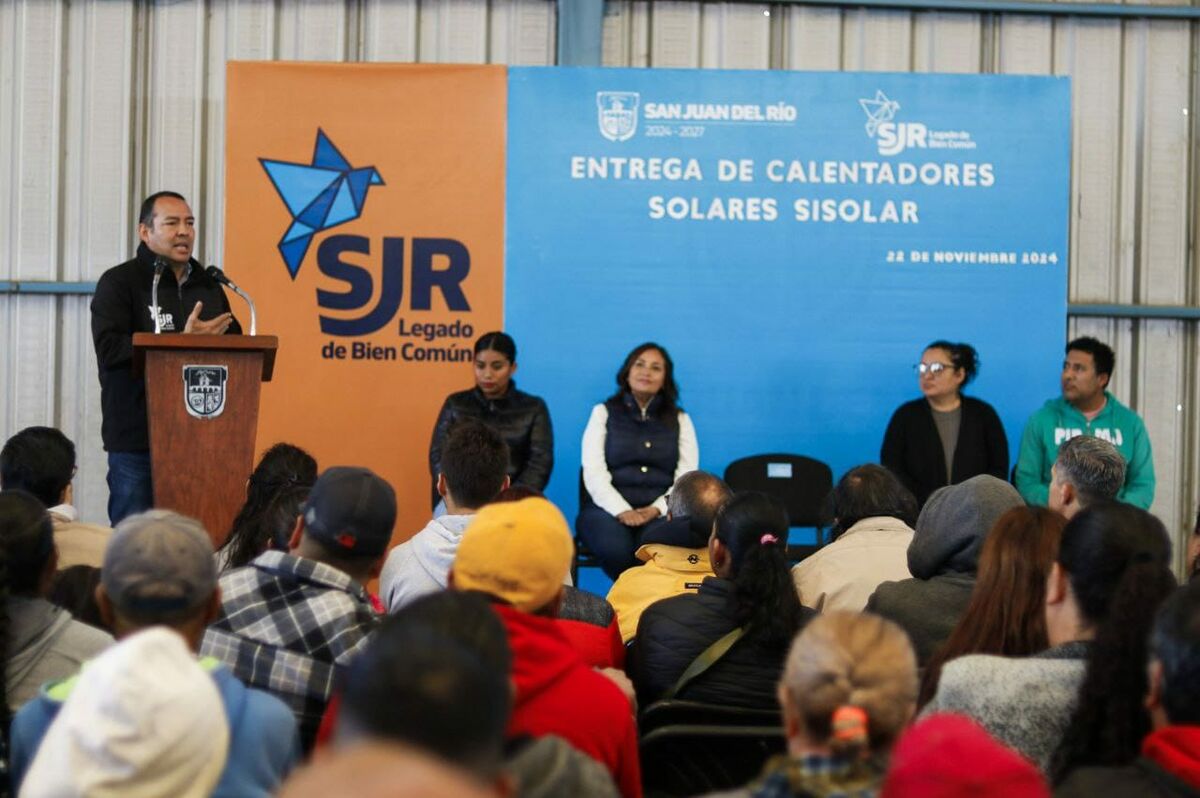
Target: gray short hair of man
x=698, y=495
x=1092, y=466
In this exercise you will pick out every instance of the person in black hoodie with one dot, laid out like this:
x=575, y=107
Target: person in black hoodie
x=752, y=594
x=944, y=437
x=190, y=301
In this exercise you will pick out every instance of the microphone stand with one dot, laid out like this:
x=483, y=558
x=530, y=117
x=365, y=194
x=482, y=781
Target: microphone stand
x=220, y=276
x=159, y=264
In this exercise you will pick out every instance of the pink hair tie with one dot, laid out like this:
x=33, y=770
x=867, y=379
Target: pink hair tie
x=768, y=538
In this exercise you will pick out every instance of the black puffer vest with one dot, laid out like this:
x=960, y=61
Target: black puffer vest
x=641, y=450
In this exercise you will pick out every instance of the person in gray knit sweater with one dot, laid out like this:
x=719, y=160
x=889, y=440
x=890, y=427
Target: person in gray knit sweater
x=942, y=558
x=1080, y=701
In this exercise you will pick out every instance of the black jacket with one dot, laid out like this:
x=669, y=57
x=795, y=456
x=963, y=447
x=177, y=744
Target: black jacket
x=676, y=630
x=913, y=450
x=1142, y=779
x=121, y=307
x=521, y=419
x=927, y=609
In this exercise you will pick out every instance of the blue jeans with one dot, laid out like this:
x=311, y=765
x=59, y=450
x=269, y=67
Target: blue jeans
x=129, y=487
x=612, y=543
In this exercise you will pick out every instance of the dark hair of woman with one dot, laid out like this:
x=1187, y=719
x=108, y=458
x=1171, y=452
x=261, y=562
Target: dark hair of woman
x=866, y=491
x=754, y=528
x=1006, y=615
x=26, y=543
x=1194, y=565
x=668, y=405
x=278, y=486
x=74, y=589
x=962, y=356
x=1117, y=560
x=497, y=342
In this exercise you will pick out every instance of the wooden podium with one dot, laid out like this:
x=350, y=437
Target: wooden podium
x=202, y=396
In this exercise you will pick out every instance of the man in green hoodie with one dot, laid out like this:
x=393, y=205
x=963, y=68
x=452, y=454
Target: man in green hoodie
x=1085, y=408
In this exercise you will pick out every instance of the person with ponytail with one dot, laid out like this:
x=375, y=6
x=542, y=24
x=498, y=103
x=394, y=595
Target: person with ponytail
x=944, y=437
x=1079, y=702
x=725, y=644
x=42, y=642
x=521, y=419
x=275, y=493
x=848, y=689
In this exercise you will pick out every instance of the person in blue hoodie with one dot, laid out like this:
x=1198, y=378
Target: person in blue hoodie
x=1085, y=408
x=159, y=571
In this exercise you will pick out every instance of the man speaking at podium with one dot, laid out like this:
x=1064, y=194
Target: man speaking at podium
x=189, y=301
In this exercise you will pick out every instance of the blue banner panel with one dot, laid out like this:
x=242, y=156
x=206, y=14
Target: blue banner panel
x=793, y=239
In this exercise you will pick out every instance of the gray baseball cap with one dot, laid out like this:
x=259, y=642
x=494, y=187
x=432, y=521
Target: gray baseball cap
x=159, y=565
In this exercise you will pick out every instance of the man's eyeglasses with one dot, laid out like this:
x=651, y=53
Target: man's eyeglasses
x=932, y=368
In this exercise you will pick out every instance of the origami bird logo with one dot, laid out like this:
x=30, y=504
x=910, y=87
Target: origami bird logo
x=320, y=195
x=878, y=111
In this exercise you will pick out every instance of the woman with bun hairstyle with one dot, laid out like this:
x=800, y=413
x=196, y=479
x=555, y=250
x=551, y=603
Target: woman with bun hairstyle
x=636, y=444
x=848, y=689
x=1079, y=702
x=521, y=418
x=944, y=437
x=750, y=604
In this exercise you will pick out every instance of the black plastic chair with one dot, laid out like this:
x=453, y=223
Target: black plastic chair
x=674, y=712
x=801, y=483
x=583, y=555
x=698, y=759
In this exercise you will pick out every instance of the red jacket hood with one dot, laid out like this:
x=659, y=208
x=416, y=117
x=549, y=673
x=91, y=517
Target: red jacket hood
x=1176, y=749
x=541, y=653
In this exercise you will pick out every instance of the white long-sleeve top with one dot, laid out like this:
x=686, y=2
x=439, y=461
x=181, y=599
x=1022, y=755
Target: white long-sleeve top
x=598, y=480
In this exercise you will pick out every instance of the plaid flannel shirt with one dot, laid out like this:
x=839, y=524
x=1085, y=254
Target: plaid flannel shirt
x=288, y=625
x=815, y=776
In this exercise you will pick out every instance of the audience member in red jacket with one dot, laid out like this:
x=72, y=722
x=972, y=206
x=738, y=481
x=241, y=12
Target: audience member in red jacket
x=520, y=553
x=1170, y=760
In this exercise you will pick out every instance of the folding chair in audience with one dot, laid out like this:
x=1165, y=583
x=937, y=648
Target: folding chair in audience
x=675, y=712
x=682, y=760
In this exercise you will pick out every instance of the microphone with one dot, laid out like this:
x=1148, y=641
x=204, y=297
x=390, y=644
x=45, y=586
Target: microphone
x=218, y=275
x=160, y=263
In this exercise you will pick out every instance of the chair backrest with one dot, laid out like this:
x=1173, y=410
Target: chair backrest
x=800, y=482
x=674, y=712
x=699, y=759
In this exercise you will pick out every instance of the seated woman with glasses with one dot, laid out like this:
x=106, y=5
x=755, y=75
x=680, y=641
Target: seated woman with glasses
x=944, y=437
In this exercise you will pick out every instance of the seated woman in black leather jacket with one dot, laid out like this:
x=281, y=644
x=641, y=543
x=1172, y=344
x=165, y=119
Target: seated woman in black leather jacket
x=521, y=418
x=751, y=592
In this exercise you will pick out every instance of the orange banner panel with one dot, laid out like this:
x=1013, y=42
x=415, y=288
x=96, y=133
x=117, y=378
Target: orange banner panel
x=364, y=212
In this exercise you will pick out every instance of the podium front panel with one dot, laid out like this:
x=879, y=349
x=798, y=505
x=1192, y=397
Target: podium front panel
x=203, y=413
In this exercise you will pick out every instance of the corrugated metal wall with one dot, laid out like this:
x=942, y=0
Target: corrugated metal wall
x=103, y=101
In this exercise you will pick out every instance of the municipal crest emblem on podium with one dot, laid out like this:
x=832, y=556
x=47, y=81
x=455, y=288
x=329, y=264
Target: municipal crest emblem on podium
x=618, y=114
x=204, y=390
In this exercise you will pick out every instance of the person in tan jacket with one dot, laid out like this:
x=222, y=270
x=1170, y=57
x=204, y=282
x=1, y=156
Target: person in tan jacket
x=675, y=554
x=41, y=461
x=873, y=516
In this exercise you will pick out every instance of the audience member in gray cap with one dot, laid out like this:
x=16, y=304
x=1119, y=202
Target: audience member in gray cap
x=942, y=558
x=290, y=622
x=41, y=641
x=1088, y=470
x=159, y=572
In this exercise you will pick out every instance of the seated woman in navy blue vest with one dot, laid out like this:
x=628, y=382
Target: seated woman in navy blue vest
x=637, y=443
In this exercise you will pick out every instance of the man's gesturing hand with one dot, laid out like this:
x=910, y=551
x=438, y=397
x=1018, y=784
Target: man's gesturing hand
x=216, y=326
